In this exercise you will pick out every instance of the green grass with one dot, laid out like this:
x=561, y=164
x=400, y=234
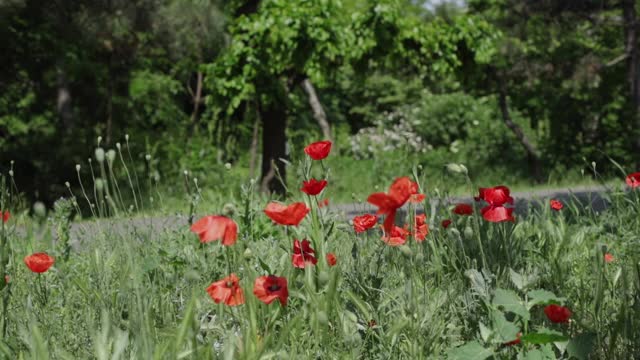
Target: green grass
x=463, y=292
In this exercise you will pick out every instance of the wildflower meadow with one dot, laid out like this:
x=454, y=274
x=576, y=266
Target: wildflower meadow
x=265, y=279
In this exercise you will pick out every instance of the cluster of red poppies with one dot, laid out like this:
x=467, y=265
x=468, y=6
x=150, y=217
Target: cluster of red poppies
x=270, y=287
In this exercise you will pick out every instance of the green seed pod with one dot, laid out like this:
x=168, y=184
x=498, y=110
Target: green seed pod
x=39, y=210
x=100, y=155
x=322, y=317
x=247, y=253
x=406, y=251
x=323, y=277
x=468, y=232
x=453, y=168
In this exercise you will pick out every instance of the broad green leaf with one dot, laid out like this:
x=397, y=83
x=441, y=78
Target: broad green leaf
x=544, y=337
x=536, y=354
x=581, y=346
x=542, y=297
x=505, y=329
x=478, y=283
x=470, y=351
x=510, y=301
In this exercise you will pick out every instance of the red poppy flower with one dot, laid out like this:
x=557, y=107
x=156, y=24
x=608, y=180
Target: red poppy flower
x=514, y=342
x=397, y=236
x=318, y=150
x=303, y=254
x=364, y=222
x=332, y=260
x=417, y=198
x=496, y=197
x=5, y=216
x=216, y=227
x=399, y=192
x=497, y=214
x=286, y=215
x=556, y=205
x=633, y=180
x=421, y=228
x=463, y=209
x=313, y=187
x=557, y=313
x=446, y=223
x=608, y=258
x=323, y=203
x=39, y=262
x=269, y=288
x=227, y=291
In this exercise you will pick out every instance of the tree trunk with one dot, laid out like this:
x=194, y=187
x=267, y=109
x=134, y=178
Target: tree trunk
x=633, y=70
x=318, y=110
x=533, y=156
x=253, y=152
x=274, y=140
x=197, y=99
x=63, y=102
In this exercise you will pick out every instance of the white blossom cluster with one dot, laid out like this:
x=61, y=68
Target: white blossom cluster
x=392, y=132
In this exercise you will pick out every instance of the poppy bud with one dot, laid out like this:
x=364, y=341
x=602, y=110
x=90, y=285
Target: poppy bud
x=67, y=184
x=99, y=155
x=453, y=168
x=322, y=318
x=419, y=257
x=192, y=275
x=99, y=139
x=147, y=157
x=228, y=209
x=39, y=209
x=99, y=185
x=455, y=232
x=247, y=253
x=111, y=155
x=126, y=137
x=323, y=277
x=118, y=146
x=77, y=167
x=468, y=232
x=11, y=173
x=406, y=251
x=227, y=166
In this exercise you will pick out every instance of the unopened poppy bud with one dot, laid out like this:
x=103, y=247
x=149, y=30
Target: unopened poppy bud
x=118, y=146
x=99, y=184
x=468, y=232
x=99, y=155
x=66, y=183
x=228, y=209
x=11, y=173
x=99, y=139
x=454, y=168
x=147, y=157
x=322, y=317
x=454, y=231
x=247, y=253
x=186, y=173
x=39, y=209
x=111, y=155
x=126, y=137
x=406, y=251
x=77, y=167
x=419, y=257
x=464, y=169
x=227, y=166
x=323, y=277
x=192, y=275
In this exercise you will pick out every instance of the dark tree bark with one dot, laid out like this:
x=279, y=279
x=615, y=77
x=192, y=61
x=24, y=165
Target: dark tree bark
x=318, y=111
x=197, y=100
x=630, y=18
x=274, y=140
x=253, y=153
x=535, y=165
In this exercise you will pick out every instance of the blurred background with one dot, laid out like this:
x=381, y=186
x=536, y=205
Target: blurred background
x=526, y=93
